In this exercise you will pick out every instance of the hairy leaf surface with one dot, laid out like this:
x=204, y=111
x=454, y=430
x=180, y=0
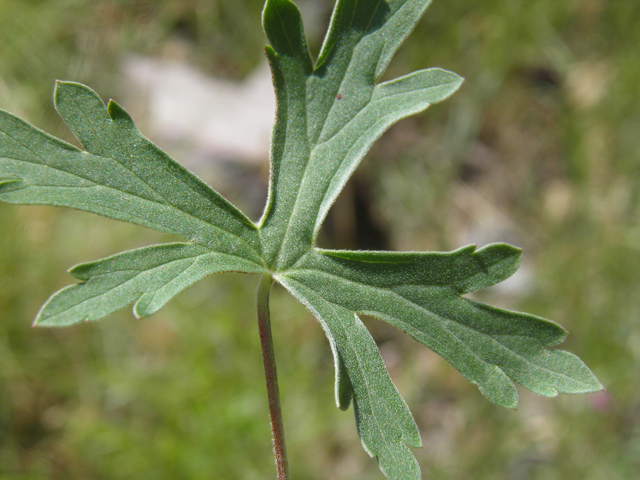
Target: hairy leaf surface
x=120, y=175
x=147, y=277
x=328, y=116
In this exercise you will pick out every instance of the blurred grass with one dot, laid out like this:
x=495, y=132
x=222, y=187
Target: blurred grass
x=542, y=137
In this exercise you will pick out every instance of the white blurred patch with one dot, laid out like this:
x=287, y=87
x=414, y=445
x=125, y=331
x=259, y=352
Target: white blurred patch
x=214, y=118
x=488, y=223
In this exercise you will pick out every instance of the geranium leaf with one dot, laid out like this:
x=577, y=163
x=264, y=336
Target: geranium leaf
x=328, y=116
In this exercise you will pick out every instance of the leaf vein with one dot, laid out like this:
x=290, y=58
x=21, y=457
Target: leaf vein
x=146, y=220
x=443, y=320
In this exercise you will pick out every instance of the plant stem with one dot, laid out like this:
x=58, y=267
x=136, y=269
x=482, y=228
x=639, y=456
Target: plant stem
x=271, y=376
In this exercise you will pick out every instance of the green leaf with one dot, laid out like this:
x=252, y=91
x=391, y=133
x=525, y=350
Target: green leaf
x=328, y=116
x=384, y=422
x=148, y=277
x=420, y=294
x=120, y=175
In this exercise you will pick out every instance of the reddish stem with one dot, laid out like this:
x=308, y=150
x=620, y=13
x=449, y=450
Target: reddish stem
x=271, y=376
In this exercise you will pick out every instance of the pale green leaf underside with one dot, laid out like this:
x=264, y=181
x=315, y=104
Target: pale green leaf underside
x=384, y=422
x=147, y=277
x=328, y=116
x=120, y=175
x=486, y=344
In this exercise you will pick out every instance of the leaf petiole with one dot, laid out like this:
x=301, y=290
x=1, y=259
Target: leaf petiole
x=271, y=375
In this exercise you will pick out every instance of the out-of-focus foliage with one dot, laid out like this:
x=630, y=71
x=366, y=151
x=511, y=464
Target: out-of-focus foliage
x=542, y=139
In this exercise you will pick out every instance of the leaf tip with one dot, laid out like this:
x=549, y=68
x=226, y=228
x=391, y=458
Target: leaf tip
x=143, y=307
x=116, y=112
x=48, y=321
x=591, y=384
x=66, y=89
x=282, y=22
x=453, y=79
x=39, y=321
x=81, y=271
x=59, y=86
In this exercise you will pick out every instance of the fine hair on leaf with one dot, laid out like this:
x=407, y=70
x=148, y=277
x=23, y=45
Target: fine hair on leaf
x=330, y=111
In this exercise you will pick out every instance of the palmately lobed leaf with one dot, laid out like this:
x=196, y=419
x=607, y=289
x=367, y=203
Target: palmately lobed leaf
x=328, y=116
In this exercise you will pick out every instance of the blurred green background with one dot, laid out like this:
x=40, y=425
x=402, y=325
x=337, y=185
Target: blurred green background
x=539, y=148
